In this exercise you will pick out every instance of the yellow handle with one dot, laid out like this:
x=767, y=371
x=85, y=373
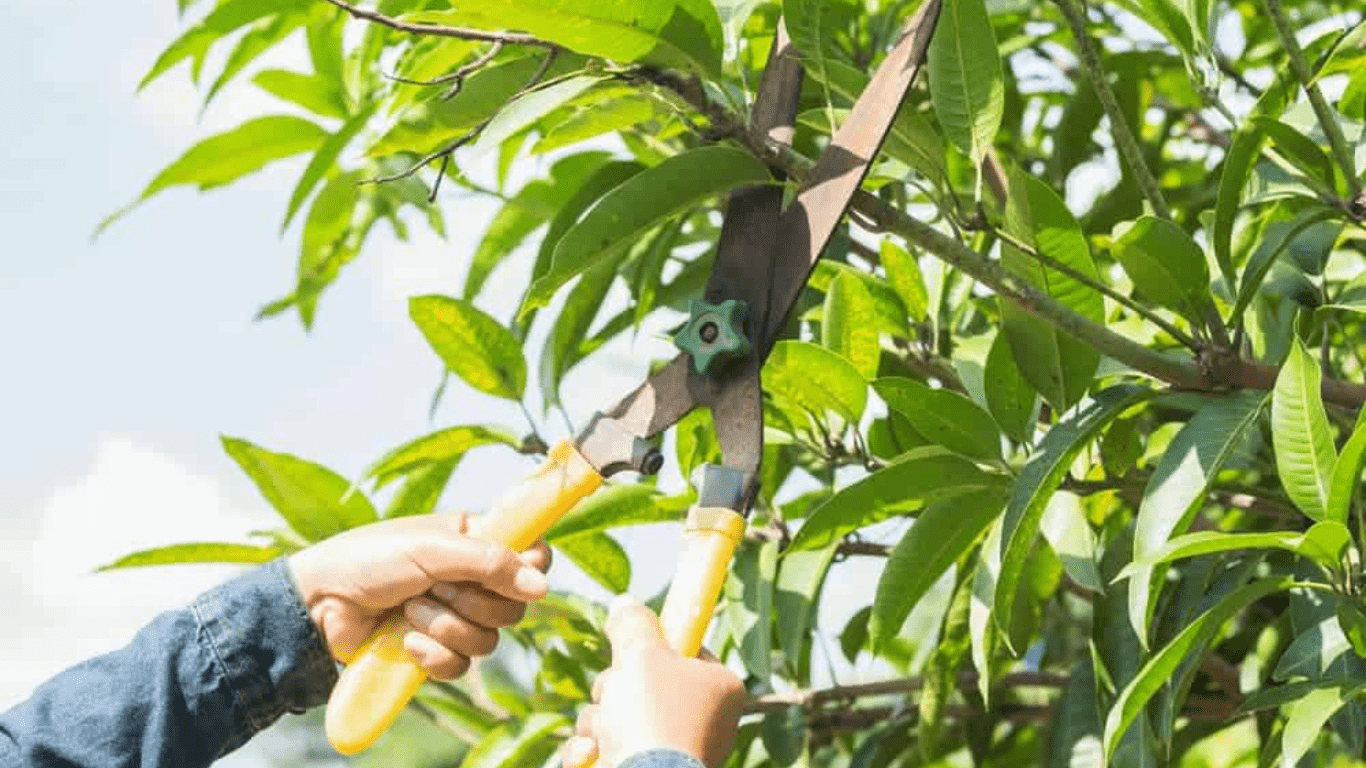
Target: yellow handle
x=709, y=540
x=710, y=537
x=381, y=678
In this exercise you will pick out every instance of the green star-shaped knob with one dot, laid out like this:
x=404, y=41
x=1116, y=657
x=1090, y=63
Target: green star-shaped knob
x=715, y=335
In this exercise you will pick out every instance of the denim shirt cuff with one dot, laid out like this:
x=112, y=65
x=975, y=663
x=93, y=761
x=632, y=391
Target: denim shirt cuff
x=661, y=758
x=272, y=655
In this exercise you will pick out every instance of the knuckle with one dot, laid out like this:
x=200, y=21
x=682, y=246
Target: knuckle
x=449, y=667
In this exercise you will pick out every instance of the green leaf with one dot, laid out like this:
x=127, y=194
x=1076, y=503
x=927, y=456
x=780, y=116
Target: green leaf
x=311, y=92
x=1309, y=229
x=1180, y=482
x=532, y=206
x=803, y=377
x=226, y=17
x=1165, y=264
x=1161, y=665
x=919, y=477
x=638, y=204
x=1243, y=152
x=1059, y=367
x=1324, y=545
x=1299, y=149
x=1013, y=404
x=436, y=122
x=813, y=26
x=1347, y=473
x=593, y=120
x=1305, y=456
x=1305, y=720
x=599, y=556
x=518, y=743
x=889, y=315
x=422, y=489
x=475, y=346
x=613, y=507
x=196, y=552
x=796, y=598
x=848, y=325
x=228, y=156
x=528, y=108
x=943, y=417
x=564, y=346
x=941, y=671
x=966, y=83
x=264, y=35
x=1037, y=481
x=1068, y=532
x=308, y=496
x=939, y=536
x=1074, y=739
x=441, y=446
x=748, y=606
x=903, y=272
x=854, y=636
x=682, y=34
x=323, y=161
x=784, y=734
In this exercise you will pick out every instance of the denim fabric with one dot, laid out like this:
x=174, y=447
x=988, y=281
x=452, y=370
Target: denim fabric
x=661, y=758
x=192, y=686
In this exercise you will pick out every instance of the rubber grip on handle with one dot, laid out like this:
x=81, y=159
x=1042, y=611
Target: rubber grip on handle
x=382, y=677
x=710, y=537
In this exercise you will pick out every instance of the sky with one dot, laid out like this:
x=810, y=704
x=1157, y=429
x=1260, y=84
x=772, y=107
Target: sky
x=124, y=359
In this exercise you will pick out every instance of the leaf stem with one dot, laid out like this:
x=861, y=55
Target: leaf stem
x=1336, y=140
x=1123, y=136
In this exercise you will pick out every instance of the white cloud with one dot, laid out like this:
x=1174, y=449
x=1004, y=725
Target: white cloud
x=132, y=498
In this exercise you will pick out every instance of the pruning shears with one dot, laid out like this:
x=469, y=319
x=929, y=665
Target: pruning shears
x=764, y=257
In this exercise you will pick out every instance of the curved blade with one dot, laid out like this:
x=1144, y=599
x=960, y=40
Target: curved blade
x=808, y=223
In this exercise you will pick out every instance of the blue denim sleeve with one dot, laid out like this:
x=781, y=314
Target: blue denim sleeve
x=661, y=758
x=192, y=686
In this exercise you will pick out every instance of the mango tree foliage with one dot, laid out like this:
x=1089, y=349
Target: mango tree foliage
x=1080, y=378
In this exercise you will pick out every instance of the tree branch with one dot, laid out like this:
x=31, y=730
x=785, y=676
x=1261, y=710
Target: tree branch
x=1124, y=137
x=1213, y=370
x=506, y=38
x=811, y=698
x=1327, y=120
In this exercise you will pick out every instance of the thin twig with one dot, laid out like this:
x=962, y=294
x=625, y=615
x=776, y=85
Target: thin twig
x=506, y=38
x=1096, y=285
x=445, y=152
x=1336, y=140
x=1125, y=139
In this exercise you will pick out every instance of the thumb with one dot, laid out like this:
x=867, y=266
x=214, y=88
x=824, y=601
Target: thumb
x=632, y=625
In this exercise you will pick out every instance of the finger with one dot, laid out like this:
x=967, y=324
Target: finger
x=479, y=605
x=440, y=662
x=632, y=625
x=487, y=563
x=579, y=752
x=538, y=556
x=448, y=628
x=587, y=724
x=600, y=684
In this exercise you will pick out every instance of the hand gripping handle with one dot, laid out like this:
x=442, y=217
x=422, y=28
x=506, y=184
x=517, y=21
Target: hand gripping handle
x=381, y=677
x=710, y=537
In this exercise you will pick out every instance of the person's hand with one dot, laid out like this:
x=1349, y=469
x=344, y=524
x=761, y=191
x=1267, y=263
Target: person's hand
x=653, y=698
x=456, y=591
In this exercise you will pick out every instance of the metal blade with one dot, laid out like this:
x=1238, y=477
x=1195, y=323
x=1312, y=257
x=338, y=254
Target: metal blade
x=808, y=223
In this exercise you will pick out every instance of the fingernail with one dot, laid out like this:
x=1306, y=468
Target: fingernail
x=530, y=581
